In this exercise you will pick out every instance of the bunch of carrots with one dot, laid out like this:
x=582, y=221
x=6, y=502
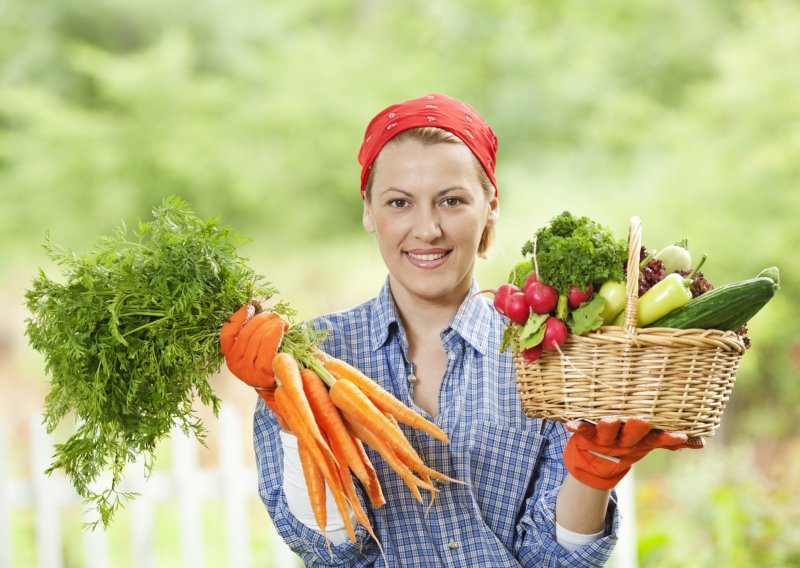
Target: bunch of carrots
x=334, y=409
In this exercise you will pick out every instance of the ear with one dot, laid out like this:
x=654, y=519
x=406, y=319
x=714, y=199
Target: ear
x=366, y=219
x=494, y=212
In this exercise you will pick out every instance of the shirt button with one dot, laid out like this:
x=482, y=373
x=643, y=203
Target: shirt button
x=412, y=378
x=452, y=545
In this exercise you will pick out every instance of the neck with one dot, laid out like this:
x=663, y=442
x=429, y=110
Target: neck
x=424, y=319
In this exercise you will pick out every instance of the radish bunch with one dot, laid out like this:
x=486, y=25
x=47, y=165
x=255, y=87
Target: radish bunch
x=536, y=305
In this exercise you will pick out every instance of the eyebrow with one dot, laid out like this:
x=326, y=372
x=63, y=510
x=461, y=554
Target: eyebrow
x=438, y=193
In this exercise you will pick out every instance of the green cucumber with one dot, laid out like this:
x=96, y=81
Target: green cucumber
x=771, y=273
x=728, y=307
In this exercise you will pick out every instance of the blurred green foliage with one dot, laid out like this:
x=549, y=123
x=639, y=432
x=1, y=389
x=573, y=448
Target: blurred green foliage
x=732, y=506
x=684, y=113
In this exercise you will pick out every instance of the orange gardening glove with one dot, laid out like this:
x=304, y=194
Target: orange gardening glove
x=249, y=342
x=599, y=456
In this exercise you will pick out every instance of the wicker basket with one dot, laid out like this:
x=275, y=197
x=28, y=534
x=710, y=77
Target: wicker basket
x=679, y=379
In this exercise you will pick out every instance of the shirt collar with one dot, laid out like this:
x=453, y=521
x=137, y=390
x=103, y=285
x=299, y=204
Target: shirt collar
x=472, y=320
x=385, y=318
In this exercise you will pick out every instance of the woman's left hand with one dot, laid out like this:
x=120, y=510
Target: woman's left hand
x=600, y=455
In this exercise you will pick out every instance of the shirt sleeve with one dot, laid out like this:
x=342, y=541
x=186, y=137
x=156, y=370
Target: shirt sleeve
x=307, y=543
x=571, y=541
x=295, y=490
x=536, y=543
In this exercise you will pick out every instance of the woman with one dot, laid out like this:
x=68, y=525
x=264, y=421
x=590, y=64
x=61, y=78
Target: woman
x=534, y=495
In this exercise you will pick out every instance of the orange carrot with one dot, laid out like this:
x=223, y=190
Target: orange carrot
x=386, y=452
x=301, y=430
x=349, y=399
x=269, y=399
x=382, y=398
x=341, y=497
x=329, y=419
x=327, y=465
x=416, y=463
x=410, y=449
x=316, y=485
x=373, y=487
x=355, y=504
x=287, y=372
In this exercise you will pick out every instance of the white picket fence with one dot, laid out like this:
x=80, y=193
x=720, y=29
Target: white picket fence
x=187, y=485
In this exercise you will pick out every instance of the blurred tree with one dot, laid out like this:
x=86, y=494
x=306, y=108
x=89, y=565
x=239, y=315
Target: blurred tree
x=255, y=111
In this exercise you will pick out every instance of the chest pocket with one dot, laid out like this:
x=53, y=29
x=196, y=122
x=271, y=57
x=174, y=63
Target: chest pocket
x=502, y=463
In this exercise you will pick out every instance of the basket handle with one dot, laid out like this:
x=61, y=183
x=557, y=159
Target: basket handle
x=634, y=246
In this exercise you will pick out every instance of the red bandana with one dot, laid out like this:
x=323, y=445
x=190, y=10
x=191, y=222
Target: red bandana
x=436, y=110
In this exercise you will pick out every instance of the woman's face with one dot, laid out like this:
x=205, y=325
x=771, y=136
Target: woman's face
x=428, y=212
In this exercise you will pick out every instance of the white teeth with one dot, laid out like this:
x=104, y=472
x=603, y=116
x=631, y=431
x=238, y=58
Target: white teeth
x=427, y=257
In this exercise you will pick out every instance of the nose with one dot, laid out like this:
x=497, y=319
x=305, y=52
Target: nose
x=428, y=226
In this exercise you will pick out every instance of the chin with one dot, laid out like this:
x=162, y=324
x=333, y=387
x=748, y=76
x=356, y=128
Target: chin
x=430, y=289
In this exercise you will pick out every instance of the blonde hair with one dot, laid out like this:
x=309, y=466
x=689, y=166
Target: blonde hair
x=428, y=136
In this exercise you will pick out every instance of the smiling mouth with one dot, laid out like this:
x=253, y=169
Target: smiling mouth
x=427, y=260
x=429, y=257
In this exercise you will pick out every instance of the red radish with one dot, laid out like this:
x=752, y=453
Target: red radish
x=576, y=296
x=501, y=297
x=542, y=298
x=555, y=333
x=517, y=308
x=532, y=277
x=532, y=353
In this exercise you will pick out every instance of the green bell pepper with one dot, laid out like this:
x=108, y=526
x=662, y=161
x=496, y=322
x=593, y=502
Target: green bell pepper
x=614, y=294
x=667, y=295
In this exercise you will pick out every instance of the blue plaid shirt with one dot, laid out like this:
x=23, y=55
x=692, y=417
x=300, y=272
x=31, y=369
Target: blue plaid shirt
x=504, y=516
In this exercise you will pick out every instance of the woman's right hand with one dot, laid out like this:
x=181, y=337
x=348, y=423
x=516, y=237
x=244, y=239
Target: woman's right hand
x=249, y=342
